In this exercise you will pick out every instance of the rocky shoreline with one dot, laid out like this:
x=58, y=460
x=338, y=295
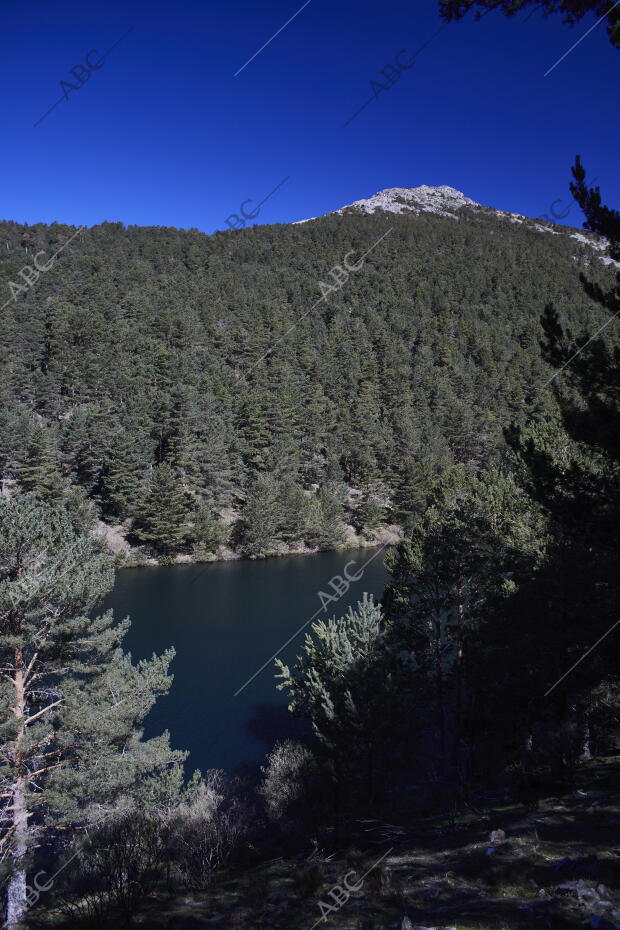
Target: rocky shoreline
x=128, y=556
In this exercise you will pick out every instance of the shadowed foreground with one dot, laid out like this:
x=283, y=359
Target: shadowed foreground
x=557, y=867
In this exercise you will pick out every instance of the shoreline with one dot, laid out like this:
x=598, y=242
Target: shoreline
x=126, y=556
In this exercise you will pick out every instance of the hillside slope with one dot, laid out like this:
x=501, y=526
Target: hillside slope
x=284, y=391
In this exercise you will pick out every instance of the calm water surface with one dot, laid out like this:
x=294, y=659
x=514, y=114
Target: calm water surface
x=225, y=619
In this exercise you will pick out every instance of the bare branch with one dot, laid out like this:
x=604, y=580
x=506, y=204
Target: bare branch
x=42, y=711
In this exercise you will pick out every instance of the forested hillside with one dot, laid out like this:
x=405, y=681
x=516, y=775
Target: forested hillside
x=186, y=386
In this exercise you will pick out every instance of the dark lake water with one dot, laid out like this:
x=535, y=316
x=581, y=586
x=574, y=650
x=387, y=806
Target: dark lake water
x=225, y=620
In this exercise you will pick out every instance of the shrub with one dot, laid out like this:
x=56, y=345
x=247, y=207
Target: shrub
x=116, y=868
x=287, y=777
x=206, y=829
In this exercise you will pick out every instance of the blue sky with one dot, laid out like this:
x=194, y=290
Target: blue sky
x=165, y=134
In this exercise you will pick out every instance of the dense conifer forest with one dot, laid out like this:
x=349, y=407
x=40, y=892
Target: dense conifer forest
x=461, y=383
x=447, y=386
x=195, y=391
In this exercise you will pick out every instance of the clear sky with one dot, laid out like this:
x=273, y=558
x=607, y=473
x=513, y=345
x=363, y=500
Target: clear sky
x=166, y=133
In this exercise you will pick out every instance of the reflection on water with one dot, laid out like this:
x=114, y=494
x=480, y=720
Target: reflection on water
x=225, y=620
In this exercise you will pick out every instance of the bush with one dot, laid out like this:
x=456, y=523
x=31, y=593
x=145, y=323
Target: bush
x=116, y=868
x=288, y=774
x=206, y=829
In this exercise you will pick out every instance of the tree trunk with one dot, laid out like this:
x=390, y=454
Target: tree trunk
x=16, y=894
x=440, y=697
x=337, y=818
x=458, y=708
x=586, y=752
x=584, y=734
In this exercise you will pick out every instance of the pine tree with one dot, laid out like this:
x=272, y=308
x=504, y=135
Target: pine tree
x=475, y=538
x=221, y=468
x=57, y=365
x=253, y=431
x=325, y=527
x=10, y=439
x=261, y=516
x=430, y=371
x=208, y=532
x=572, y=10
x=162, y=519
x=415, y=482
x=294, y=509
x=121, y=477
x=283, y=420
x=369, y=514
x=346, y=683
x=362, y=435
x=39, y=472
x=180, y=443
x=574, y=595
x=317, y=422
x=85, y=443
x=72, y=702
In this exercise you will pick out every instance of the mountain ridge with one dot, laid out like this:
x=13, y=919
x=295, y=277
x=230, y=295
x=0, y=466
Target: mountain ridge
x=444, y=200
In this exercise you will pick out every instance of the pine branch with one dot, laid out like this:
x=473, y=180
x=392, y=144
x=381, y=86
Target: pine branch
x=42, y=711
x=7, y=835
x=45, y=769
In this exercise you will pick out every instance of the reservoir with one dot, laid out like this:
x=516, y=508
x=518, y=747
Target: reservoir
x=225, y=620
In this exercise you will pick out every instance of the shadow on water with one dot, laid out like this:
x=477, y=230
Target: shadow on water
x=225, y=627
x=270, y=722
